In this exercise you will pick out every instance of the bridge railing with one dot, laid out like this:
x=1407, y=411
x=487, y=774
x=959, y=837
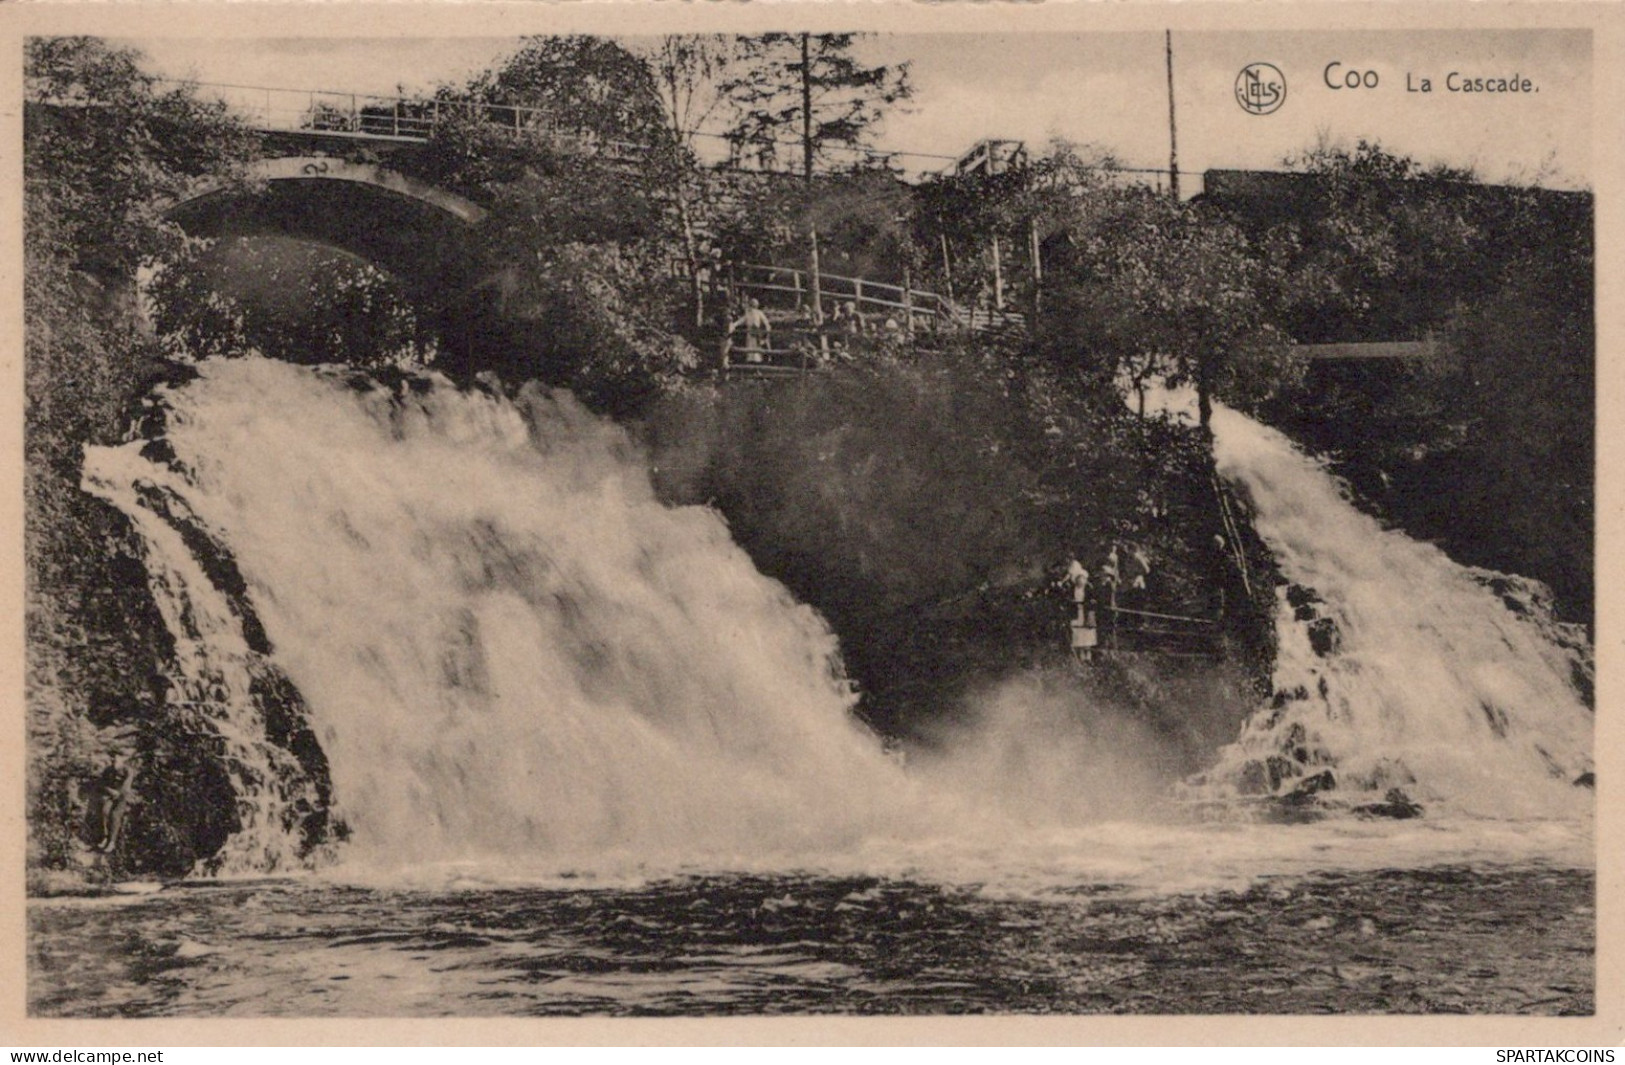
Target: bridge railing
x=369, y=116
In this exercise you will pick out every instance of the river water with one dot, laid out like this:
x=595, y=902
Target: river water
x=590, y=760
x=1441, y=939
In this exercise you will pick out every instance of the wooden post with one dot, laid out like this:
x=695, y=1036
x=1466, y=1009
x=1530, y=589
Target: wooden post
x=998, y=277
x=947, y=267
x=1036, y=251
x=908, y=303
x=817, y=281
x=1115, y=616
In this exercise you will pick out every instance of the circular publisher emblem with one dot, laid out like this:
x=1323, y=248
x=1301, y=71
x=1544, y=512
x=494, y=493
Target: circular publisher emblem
x=1260, y=88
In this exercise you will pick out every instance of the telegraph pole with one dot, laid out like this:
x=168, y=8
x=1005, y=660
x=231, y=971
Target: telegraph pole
x=1173, y=135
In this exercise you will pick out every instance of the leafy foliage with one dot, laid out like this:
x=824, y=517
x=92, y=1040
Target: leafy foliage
x=104, y=148
x=1488, y=448
x=689, y=72
x=592, y=318
x=284, y=300
x=109, y=147
x=1368, y=243
x=581, y=231
x=958, y=217
x=926, y=509
x=580, y=84
x=1153, y=289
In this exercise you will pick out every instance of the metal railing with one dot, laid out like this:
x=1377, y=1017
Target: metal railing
x=396, y=118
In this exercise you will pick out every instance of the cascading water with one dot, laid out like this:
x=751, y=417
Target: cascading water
x=508, y=645
x=223, y=682
x=511, y=653
x=1398, y=668
x=589, y=760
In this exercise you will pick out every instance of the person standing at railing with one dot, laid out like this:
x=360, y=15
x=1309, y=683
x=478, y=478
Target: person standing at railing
x=845, y=319
x=1085, y=637
x=758, y=330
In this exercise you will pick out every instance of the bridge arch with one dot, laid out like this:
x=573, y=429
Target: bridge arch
x=328, y=168
x=421, y=234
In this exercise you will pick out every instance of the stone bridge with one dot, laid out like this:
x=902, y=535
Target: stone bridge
x=417, y=232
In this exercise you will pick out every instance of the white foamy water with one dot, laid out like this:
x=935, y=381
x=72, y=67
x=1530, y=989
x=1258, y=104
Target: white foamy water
x=1453, y=684
x=509, y=647
x=520, y=664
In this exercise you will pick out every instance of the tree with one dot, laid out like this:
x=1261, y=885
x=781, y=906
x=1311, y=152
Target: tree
x=583, y=183
x=1488, y=447
x=810, y=87
x=577, y=301
x=109, y=145
x=580, y=85
x=1370, y=243
x=1161, y=290
x=688, y=72
x=963, y=217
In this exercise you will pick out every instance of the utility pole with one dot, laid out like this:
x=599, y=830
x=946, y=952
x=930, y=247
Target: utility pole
x=1173, y=135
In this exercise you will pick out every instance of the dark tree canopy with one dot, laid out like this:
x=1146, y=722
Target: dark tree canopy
x=285, y=299
x=581, y=84
x=109, y=145
x=1156, y=290
x=805, y=96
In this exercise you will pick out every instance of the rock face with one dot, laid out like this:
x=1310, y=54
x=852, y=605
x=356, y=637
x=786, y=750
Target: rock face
x=223, y=750
x=1324, y=637
x=1396, y=804
x=1309, y=787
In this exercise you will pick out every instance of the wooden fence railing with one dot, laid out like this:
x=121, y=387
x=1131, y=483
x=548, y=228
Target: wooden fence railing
x=909, y=309
x=1146, y=631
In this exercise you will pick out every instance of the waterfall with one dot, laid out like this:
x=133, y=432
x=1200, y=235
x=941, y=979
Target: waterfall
x=1396, y=667
x=507, y=644
x=503, y=648
x=224, y=689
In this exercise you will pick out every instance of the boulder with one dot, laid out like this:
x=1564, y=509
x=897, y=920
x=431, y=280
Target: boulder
x=1395, y=804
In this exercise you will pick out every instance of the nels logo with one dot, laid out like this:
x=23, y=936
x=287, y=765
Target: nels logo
x=1260, y=88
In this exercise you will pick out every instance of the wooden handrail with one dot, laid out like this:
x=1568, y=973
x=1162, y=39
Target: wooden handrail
x=909, y=300
x=1164, y=617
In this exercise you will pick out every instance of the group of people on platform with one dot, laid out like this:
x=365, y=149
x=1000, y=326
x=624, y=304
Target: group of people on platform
x=1122, y=570
x=815, y=338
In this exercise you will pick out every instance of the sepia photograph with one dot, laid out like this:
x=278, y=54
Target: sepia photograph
x=896, y=517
